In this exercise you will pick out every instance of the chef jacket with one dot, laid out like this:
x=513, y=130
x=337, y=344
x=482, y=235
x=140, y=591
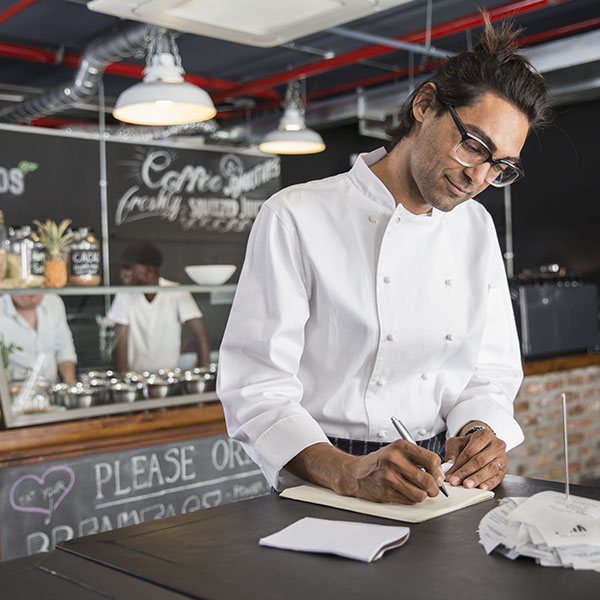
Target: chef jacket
x=351, y=309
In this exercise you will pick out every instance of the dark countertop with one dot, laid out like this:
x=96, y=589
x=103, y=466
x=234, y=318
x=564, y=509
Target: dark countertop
x=214, y=554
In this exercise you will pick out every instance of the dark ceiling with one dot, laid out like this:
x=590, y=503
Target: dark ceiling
x=41, y=41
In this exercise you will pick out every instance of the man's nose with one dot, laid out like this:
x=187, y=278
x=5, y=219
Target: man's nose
x=478, y=173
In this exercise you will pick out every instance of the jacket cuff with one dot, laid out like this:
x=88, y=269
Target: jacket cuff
x=283, y=441
x=502, y=423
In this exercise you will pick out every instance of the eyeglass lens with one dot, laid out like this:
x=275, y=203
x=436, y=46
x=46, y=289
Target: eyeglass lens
x=470, y=153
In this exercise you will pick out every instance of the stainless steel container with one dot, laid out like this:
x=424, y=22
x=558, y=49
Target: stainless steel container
x=210, y=377
x=83, y=396
x=101, y=388
x=194, y=383
x=123, y=392
x=160, y=388
x=59, y=393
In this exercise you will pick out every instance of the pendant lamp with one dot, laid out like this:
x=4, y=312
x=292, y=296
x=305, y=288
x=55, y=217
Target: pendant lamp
x=292, y=136
x=163, y=98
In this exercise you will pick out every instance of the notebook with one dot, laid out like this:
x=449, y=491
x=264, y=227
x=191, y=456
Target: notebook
x=458, y=497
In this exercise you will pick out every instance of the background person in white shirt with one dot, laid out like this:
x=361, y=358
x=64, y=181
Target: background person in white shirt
x=381, y=292
x=149, y=325
x=38, y=325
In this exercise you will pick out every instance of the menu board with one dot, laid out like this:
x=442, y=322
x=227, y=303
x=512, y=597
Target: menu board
x=172, y=191
x=42, y=504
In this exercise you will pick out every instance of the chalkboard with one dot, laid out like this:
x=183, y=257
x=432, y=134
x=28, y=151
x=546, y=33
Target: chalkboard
x=196, y=204
x=58, y=177
x=43, y=504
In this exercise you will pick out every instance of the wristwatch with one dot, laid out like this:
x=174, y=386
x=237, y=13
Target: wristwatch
x=473, y=430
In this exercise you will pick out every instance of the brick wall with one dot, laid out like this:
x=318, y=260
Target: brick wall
x=538, y=409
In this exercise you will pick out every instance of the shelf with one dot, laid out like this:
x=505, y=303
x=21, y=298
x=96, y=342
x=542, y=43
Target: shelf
x=109, y=409
x=219, y=294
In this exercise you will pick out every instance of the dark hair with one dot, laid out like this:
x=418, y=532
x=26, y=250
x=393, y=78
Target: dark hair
x=492, y=66
x=142, y=253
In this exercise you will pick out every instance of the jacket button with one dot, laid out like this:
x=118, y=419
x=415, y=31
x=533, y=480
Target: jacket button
x=381, y=433
x=449, y=337
x=424, y=376
x=387, y=279
x=448, y=282
x=381, y=382
x=390, y=337
x=422, y=431
x=373, y=218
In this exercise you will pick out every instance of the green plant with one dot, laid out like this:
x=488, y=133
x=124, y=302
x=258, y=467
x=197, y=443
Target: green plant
x=55, y=238
x=7, y=349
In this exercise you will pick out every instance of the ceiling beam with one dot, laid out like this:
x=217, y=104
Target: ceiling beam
x=444, y=29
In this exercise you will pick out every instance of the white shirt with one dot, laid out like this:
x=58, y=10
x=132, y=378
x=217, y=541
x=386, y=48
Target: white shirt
x=154, y=339
x=52, y=336
x=350, y=309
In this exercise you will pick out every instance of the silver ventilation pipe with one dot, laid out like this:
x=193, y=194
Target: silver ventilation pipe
x=143, y=132
x=124, y=41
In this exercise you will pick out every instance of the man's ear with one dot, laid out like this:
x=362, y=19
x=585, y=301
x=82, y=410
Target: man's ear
x=424, y=101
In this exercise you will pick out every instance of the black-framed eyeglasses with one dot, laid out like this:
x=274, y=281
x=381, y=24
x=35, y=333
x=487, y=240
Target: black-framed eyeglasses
x=471, y=151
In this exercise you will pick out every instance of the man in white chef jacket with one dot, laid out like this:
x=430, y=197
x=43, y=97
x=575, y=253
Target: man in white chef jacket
x=381, y=292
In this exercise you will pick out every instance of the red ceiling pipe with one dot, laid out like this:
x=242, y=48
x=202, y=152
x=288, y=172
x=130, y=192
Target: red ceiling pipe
x=442, y=30
x=352, y=85
x=55, y=122
x=560, y=31
x=125, y=69
x=523, y=41
x=15, y=9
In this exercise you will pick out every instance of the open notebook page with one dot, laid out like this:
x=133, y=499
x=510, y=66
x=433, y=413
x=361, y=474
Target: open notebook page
x=458, y=497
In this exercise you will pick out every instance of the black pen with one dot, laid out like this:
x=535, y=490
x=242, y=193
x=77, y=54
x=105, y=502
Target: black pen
x=405, y=435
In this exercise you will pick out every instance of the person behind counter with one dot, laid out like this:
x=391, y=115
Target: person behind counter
x=149, y=325
x=381, y=292
x=37, y=324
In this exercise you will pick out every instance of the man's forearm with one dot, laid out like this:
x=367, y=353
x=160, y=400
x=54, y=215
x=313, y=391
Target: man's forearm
x=67, y=372
x=324, y=465
x=390, y=474
x=121, y=349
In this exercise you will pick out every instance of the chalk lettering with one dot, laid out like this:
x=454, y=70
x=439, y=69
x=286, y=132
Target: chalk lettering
x=172, y=457
x=128, y=518
x=103, y=472
x=191, y=504
x=119, y=491
x=185, y=462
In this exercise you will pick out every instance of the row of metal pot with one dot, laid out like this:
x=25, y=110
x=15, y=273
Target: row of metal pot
x=105, y=387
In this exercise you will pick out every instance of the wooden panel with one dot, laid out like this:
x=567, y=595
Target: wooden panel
x=107, y=431
x=561, y=363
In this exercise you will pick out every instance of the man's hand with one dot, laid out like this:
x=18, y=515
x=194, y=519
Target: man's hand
x=391, y=474
x=479, y=460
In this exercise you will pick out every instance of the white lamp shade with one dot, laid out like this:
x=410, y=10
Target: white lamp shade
x=164, y=103
x=303, y=141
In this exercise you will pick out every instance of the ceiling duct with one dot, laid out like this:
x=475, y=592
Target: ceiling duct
x=124, y=41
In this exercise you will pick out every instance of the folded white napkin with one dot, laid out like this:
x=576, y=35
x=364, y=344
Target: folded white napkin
x=360, y=541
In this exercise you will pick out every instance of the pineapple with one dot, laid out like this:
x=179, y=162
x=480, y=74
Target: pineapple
x=55, y=240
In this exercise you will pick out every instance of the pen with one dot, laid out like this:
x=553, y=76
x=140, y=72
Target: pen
x=405, y=435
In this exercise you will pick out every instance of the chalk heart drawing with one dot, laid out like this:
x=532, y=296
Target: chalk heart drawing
x=23, y=487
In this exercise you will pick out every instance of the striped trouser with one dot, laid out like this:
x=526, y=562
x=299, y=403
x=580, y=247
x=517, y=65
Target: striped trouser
x=435, y=444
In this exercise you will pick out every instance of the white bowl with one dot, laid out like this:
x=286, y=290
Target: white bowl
x=210, y=274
